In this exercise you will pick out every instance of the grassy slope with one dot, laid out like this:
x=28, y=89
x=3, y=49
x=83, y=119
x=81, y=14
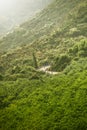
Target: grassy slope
x=36, y=101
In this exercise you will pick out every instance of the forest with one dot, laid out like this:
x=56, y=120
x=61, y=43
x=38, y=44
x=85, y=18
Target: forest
x=43, y=70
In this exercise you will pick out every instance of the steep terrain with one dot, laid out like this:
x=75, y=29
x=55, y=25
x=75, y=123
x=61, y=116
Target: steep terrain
x=31, y=99
x=14, y=12
x=57, y=16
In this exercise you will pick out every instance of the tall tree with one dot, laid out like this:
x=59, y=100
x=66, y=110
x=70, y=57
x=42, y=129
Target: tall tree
x=35, y=61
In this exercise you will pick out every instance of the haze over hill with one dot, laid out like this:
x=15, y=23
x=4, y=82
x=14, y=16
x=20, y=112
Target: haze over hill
x=56, y=17
x=14, y=12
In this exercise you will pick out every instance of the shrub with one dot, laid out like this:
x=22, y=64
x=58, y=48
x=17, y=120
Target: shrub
x=1, y=77
x=61, y=62
x=15, y=70
x=82, y=47
x=82, y=53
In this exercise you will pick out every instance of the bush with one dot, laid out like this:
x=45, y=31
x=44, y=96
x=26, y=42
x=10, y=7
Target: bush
x=61, y=62
x=82, y=49
x=82, y=53
x=1, y=69
x=1, y=77
x=15, y=70
x=79, y=49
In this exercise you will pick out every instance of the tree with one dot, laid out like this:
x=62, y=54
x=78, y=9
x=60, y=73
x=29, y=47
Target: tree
x=35, y=61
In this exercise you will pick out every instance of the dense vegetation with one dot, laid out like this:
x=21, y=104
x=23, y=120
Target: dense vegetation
x=55, y=103
x=34, y=100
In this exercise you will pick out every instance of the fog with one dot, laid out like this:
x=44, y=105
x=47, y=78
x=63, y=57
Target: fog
x=14, y=12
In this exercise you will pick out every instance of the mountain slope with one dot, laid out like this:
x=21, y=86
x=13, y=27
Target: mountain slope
x=14, y=12
x=34, y=100
x=57, y=16
x=57, y=103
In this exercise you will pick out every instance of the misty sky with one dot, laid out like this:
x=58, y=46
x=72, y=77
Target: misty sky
x=18, y=5
x=15, y=12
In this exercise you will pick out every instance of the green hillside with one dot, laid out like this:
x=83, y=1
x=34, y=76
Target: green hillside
x=58, y=16
x=31, y=99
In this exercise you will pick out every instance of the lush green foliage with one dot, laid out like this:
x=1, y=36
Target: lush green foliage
x=34, y=100
x=57, y=103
